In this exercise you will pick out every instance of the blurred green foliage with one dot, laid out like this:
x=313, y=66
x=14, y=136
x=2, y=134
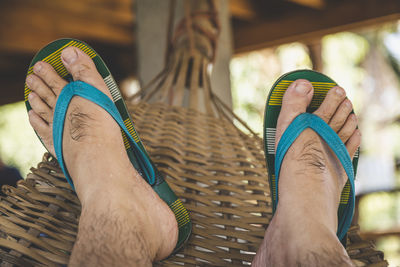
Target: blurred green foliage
x=19, y=146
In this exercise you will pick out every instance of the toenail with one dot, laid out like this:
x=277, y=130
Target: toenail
x=31, y=112
x=348, y=103
x=38, y=66
x=302, y=88
x=339, y=91
x=69, y=55
x=29, y=80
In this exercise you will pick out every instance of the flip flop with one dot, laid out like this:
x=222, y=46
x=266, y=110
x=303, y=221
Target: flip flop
x=321, y=84
x=117, y=109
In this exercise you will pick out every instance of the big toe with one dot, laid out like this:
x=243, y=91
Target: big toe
x=295, y=101
x=82, y=68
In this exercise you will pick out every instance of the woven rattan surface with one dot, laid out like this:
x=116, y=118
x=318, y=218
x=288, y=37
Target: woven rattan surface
x=217, y=171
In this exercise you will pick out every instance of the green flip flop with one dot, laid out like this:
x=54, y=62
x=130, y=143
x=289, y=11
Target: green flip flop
x=322, y=84
x=134, y=147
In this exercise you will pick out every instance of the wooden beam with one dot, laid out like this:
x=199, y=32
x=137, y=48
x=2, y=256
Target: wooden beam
x=374, y=235
x=27, y=25
x=242, y=9
x=117, y=11
x=317, y=4
x=309, y=24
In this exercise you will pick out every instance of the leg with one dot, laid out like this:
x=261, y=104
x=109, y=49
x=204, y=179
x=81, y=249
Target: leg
x=121, y=214
x=303, y=230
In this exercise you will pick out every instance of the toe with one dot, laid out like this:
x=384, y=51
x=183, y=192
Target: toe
x=37, y=85
x=82, y=68
x=348, y=128
x=295, y=101
x=42, y=129
x=49, y=76
x=354, y=142
x=40, y=107
x=330, y=104
x=341, y=114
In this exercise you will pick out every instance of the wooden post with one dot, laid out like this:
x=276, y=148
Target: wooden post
x=152, y=30
x=220, y=78
x=315, y=52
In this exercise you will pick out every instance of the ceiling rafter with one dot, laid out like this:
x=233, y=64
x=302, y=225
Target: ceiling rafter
x=22, y=33
x=243, y=9
x=317, y=4
x=108, y=25
x=303, y=25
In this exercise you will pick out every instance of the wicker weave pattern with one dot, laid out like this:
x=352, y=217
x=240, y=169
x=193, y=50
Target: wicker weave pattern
x=39, y=218
x=217, y=171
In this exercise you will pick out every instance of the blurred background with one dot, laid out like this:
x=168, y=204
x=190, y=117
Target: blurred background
x=355, y=42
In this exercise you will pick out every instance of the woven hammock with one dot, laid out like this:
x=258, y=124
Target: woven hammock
x=217, y=170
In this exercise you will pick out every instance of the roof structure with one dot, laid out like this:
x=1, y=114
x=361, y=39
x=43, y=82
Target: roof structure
x=108, y=25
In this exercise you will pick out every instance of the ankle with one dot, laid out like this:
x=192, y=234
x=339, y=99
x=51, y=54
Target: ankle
x=307, y=213
x=305, y=234
x=103, y=176
x=309, y=206
x=139, y=205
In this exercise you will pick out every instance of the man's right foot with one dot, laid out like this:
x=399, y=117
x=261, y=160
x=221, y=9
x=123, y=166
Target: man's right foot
x=121, y=214
x=303, y=229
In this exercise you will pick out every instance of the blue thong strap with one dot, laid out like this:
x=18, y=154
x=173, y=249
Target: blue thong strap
x=79, y=88
x=299, y=124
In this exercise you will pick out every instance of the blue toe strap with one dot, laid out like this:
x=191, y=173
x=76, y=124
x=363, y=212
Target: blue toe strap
x=299, y=124
x=79, y=88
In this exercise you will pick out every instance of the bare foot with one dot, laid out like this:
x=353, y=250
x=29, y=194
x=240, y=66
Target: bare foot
x=303, y=230
x=121, y=214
